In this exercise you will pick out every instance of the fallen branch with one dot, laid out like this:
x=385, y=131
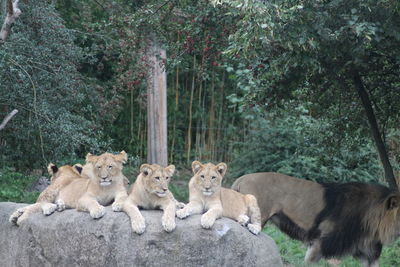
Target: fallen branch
x=13, y=12
x=6, y=119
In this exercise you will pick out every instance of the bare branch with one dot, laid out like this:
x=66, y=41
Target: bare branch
x=6, y=119
x=13, y=12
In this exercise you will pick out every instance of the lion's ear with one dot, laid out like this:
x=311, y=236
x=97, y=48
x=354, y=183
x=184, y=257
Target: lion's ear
x=393, y=202
x=78, y=167
x=91, y=158
x=221, y=168
x=196, y=166
x=146, y=169
x=121, y=157
x=52, y=168
x=170, y=169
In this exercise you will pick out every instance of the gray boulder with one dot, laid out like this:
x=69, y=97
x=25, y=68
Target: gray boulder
x=72, y=238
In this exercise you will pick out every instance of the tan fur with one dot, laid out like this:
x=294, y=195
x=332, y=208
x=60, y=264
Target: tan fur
x=207, y=195
x=150, y=191
x=45, y=202
x=104, y=184
x=283, y=193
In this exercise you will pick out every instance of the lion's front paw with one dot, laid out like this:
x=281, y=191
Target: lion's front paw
x=168, y=224
x=139, y=225
x=207, y=221
x=60, y=205
x=117, y=206
x=182, y=213
x=243, y=219
x=97, y=212
x=254, y=228
x=15, y=215
x=49, y=208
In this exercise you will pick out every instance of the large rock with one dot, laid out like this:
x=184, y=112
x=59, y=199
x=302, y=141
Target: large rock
x=72, y=238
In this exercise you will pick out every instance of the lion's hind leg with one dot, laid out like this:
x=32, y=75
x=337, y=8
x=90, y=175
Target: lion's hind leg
x=255, y=215
x=22, y=214
x=15, y=215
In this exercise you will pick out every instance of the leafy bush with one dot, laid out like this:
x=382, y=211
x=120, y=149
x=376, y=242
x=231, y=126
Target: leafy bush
x=13, y=187
x=39, y=77
x=293, y=143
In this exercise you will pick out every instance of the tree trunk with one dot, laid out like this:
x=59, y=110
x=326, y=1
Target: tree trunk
x=189, y=134
x=157, y=147
x=13, y=12
x=389, y=175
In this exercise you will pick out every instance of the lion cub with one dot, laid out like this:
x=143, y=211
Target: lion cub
x=60, y=178
x=102, y=183
x=206, y=194
x=150, y=191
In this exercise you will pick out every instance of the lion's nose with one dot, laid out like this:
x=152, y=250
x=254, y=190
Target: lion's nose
x=165, y=189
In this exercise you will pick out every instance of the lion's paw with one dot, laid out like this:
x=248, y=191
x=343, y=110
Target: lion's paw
x=97, y=212
x=182, y=213
x=254, y=228
x=15, y=215
x=168, y=224
x=207, y=221
x=116, y=206
x=180, y=205
x=49, y=208
x=243, y=219
x=138, y=226
x=60, y=205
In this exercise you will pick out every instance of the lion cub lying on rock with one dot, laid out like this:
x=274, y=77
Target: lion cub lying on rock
x=150, y=191
x=99, y=182
x=60, y=178
x=206, y=194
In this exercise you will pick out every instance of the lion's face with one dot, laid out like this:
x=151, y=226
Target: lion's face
x=208, y=177
x=156, y=178
x=63, y=171
x=106, y=167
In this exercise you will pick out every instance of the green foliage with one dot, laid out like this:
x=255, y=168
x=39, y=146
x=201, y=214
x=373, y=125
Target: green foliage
x=293, y=252
x=13, y=186
x=311, y=52
x=292, y=142
x=39, y=77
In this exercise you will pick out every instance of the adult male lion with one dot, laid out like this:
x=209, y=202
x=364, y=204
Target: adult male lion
x=333, y=219
x=60, y=178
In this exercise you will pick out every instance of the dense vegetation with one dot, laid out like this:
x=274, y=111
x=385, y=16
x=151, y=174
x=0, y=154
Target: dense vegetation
x=263, y=86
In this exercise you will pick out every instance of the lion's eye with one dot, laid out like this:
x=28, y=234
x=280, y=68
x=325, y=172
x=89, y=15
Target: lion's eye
x=167, y=178
x=202, y=176
x=98, y=167
x=110, y=166
x=213, y=177
x=157, y=178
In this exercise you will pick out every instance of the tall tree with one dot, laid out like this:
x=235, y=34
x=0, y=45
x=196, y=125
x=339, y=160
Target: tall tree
x=157, y=105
